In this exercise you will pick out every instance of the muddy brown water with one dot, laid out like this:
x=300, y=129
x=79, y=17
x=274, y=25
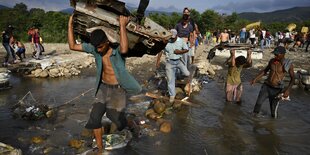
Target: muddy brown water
x=213, y=128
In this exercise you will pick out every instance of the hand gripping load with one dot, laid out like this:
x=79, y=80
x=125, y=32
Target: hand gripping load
x=147, y=38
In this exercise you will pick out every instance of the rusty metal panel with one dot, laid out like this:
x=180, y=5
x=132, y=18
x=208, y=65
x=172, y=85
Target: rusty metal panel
x=103, y=14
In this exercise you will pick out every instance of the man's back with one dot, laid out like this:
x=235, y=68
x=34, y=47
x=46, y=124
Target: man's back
x=5, y=37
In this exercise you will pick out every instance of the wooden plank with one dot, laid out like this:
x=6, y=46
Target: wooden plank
x=185, y=102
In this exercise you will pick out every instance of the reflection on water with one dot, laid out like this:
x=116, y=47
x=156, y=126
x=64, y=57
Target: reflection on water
x=213, y=128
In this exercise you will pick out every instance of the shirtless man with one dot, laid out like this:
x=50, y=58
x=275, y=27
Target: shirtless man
x=113, y=80
x=224, y=37
x=274, y=85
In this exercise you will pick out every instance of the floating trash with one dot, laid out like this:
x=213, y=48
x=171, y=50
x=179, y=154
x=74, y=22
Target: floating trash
x=115, y=140
x=28, y=109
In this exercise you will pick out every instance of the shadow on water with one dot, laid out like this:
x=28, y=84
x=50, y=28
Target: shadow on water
x=213, y=128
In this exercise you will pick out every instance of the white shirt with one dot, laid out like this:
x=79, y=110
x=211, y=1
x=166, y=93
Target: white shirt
x=287, y=35
x=264, y=33
x=252, y=34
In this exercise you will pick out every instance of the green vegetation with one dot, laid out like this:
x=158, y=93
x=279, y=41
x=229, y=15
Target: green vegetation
x=53, y=25
x=296, y=14
x=211, y=20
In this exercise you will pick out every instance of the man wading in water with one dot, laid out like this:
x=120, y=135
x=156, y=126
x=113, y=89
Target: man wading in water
x=274, y=85
x=113, y=79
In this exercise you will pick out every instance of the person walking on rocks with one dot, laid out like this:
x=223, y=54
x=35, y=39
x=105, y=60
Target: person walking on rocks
x=7, y=37
x=174, y=50
x=274, y=84
x=112, y=79
x=187, y=30
x=233, y=82
x=37, y=44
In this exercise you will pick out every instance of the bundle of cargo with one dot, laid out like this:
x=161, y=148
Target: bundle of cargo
x=144, y=38
x=223, y=50
x=254, y=25
x=304, y=29
x=290, y=27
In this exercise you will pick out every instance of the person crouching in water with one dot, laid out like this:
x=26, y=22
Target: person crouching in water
x=20, y=50
x=274, y=85
x=233, y=83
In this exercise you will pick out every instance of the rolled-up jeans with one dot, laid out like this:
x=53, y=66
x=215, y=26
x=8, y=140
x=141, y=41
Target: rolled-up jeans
x=38, y=48
x=171, y=67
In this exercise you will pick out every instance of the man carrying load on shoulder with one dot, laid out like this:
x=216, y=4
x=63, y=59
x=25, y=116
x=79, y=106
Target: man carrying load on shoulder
x=113, y=80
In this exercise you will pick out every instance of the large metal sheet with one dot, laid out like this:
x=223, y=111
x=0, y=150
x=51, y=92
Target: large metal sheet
x=143, y=39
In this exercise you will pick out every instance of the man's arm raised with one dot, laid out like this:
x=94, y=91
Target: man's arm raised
x=71, y=39
x=123, y=21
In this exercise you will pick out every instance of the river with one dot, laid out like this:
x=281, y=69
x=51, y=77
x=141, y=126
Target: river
x=213, y=128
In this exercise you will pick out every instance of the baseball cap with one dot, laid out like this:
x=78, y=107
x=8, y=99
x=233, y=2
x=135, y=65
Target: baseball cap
x=174, y=33
x=279, y=50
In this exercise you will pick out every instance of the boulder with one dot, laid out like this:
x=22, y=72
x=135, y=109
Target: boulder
x=159, y=107
x=165, y=127
x=43, y=74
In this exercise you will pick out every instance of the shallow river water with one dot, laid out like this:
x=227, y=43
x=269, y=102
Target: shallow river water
x=213, y=128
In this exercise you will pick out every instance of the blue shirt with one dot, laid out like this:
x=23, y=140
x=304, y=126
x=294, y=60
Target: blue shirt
x=179, y=44
x=125, y=80
x=242, y=34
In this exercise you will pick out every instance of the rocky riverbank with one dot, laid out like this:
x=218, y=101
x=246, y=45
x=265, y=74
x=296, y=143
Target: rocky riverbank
x=59, y=61
x=143, y=68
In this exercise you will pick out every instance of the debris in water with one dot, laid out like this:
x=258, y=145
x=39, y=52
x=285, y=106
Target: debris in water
x=27, y=108
x=116, y=140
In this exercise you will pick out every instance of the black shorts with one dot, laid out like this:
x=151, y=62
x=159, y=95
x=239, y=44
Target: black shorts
x=112, y=102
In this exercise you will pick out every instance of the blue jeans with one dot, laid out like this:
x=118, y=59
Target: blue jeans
x=9, y=52
x=242, y=40
x=171, y=67
x=262, y=43
x=268, y=42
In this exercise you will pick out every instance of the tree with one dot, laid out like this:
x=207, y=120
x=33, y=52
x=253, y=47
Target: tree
x=20, y=7
x=211, y=20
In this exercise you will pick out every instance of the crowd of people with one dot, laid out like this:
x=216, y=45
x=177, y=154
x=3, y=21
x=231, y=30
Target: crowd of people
x=261, y=37
x=15, y=47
